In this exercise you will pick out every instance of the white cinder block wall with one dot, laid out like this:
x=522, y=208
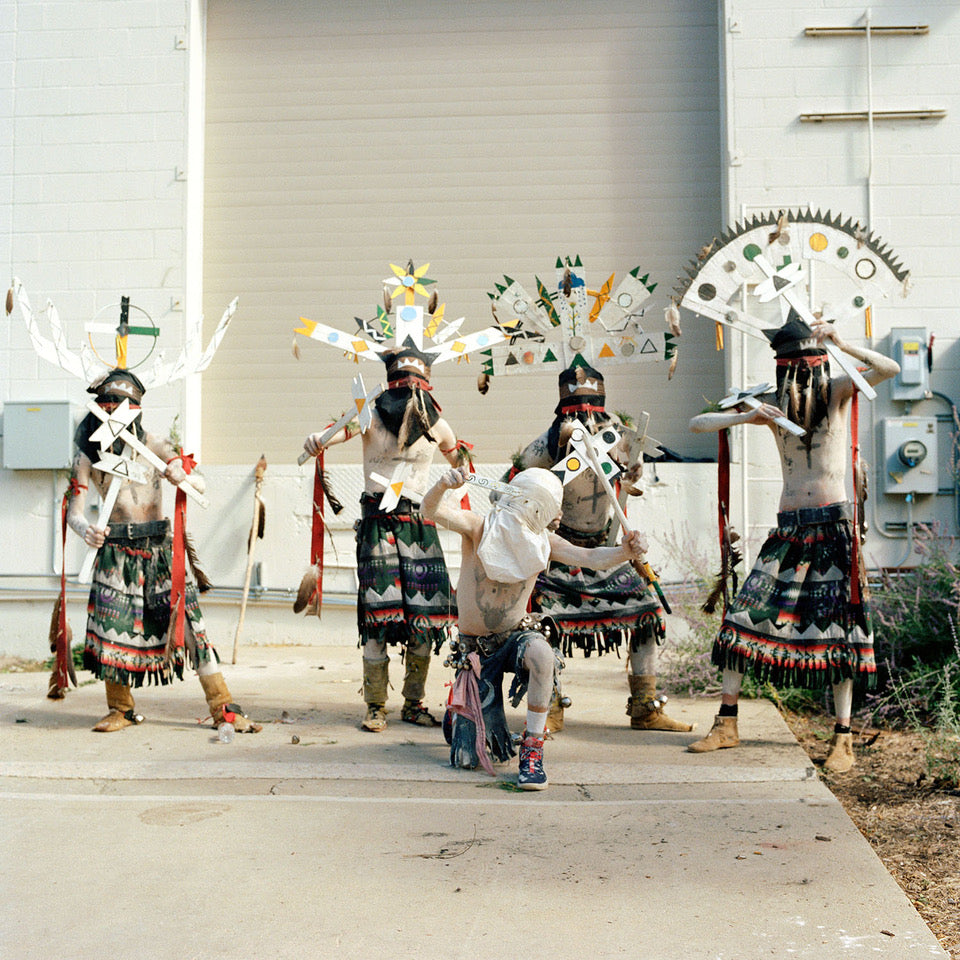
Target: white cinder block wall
x=93, y=162
x=904, y=185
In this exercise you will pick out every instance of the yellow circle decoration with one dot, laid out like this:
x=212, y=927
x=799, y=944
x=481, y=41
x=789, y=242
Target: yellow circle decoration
x=818, y=242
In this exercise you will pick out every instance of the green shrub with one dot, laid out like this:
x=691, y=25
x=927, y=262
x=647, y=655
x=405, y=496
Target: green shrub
x=914, y=612
x=76, y=652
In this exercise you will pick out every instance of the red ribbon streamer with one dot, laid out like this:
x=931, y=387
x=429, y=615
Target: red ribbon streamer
x=723, y=497
x=855, y=545
x=316, y=534
x=63, y=671
x=178, y=572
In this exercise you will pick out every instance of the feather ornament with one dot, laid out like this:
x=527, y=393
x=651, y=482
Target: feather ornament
x=203, y=581
x=307, y=593
x=335, y=505
x=672, y=316
x=725, y=584
x=808, y=406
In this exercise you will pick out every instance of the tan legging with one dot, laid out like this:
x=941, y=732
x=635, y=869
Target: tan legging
x=376, y=650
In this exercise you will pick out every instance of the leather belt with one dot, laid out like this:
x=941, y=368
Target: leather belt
x=807, y=515
x=370, y=506
x=138, y=531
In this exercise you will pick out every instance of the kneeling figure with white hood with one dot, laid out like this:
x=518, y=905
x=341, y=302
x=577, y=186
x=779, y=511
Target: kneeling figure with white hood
x=502, y=555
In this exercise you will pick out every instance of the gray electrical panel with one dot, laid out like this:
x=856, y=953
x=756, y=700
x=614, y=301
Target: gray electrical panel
x=38, y=436
x=910, y=455
x=909, y=349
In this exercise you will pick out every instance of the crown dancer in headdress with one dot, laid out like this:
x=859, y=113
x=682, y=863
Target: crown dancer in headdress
x=801, y=617
x=133, y=637
x=596, y=611
x=404, y=597
x=599, y=610
x=144, y=623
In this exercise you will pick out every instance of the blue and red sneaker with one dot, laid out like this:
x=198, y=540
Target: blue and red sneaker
x=532, y=775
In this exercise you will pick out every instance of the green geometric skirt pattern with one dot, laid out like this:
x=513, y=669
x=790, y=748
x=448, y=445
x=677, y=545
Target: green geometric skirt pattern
x=793, y=623
x=128, y=615
x=405, y=595
x=598, y=610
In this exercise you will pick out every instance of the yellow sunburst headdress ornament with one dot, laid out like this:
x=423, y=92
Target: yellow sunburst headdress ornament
x=408, y=324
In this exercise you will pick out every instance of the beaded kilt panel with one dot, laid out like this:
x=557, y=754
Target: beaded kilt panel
x=404, y=591
x=793, y=622
x=128, y=615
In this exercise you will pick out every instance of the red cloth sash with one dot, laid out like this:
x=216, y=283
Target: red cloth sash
x=61, y=664
x=465, y=699
x=178, y=571
x=855, y=545
x=317, y=528
x=723, y=498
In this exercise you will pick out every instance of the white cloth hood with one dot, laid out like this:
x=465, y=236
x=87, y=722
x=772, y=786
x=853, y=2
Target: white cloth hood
x=515, y=544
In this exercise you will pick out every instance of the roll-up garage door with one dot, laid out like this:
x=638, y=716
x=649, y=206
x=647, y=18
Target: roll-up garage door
x=484, y=138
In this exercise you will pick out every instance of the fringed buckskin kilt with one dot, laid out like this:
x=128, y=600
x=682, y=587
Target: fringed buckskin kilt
x=793, y=622
x=404, y=595
x=128, y=612
x=598, y=610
